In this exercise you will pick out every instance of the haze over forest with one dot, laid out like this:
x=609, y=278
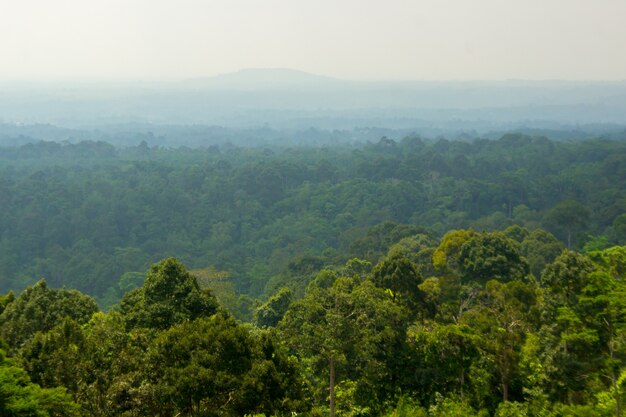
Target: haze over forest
x=355, y=208
x=280, y=100
x=119, y=70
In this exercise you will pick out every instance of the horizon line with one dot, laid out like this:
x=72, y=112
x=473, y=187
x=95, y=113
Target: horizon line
x=81, y=78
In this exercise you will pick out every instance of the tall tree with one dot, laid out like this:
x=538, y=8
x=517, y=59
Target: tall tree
x=39, y=308
x=169, y=295
x=488, y=256
x=401, y=277
x=213, y=366
x=569, y=216
x=502, y=318
x=346, y=326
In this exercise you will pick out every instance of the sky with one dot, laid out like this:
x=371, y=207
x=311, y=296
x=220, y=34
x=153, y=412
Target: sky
x=349, y=39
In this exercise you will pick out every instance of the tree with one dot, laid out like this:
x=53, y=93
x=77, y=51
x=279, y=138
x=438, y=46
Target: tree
x=444, y=355
x=610, y=297
x=19, y=397
x=55, y=358
x=169, y=295
x=583, y=320
x=378, y=239
x=604, y=301
x=447, y=253
x=540, y=248
x=570, y=216
x=397, y=274
x=213, y=366
x=347, y=326
x=273, y=310
x=488, y=256
x=5, y=300
x=517, y=233
x=502, y=319
x=39, y=309
x=112, y=361
x=567, y=276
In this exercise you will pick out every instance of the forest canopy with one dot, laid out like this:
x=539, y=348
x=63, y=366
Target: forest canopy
x=93, y=217
x=397, y=278
x=477, y=335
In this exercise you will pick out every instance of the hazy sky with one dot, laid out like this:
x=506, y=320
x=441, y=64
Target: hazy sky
x=355, y=39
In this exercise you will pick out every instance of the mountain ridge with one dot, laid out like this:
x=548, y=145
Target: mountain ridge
x=265, y=78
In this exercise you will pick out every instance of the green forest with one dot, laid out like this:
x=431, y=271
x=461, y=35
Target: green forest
x=407, y=277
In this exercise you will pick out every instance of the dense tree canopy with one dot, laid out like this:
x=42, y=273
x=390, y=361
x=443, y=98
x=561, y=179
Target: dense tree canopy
x=102, y=214
x=412, y=278
x=39, y=308
x=361, y=340
x=170, y=295
x=19, y=397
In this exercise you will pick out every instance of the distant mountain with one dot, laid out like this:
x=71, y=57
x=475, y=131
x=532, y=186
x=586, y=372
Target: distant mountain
x=285, y=98
x=265, y=79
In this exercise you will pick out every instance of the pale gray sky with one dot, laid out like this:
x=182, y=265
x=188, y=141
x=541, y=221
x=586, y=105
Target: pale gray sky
x=353, y=39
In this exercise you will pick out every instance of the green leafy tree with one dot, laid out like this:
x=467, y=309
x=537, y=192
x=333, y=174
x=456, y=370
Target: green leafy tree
x=378, y=239
x=447, y=253
x=55, y=358
x=5, y=300
x=569, y=216
x=611, y=298
x=540, y=248
x=212, y=366
x=567, y=276
x=443, y=358
x=401, y=277
x=19, y=397
x=501, y=316
x=100, y=363
x=273, y=310
x=40, y=308
x=584, y=315
x=169, y=295
x=111, y=364
x=345, y=327
x=488, y=256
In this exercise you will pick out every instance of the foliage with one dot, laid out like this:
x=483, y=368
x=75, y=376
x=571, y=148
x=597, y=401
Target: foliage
x=213, y=366
x=361, y=311
x=100, y=212
x=273, y=310
x=352, y=345
x=488, y=256
x=170, y=295
x=21, y=398
x=400, y=277
x=349, y=331
x=40, y=308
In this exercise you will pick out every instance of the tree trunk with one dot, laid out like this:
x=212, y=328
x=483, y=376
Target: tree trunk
x=613, y=376
x=505, y=391
x=616, y=395
x=462, y=383
x=569, y=239
x=332, y=386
